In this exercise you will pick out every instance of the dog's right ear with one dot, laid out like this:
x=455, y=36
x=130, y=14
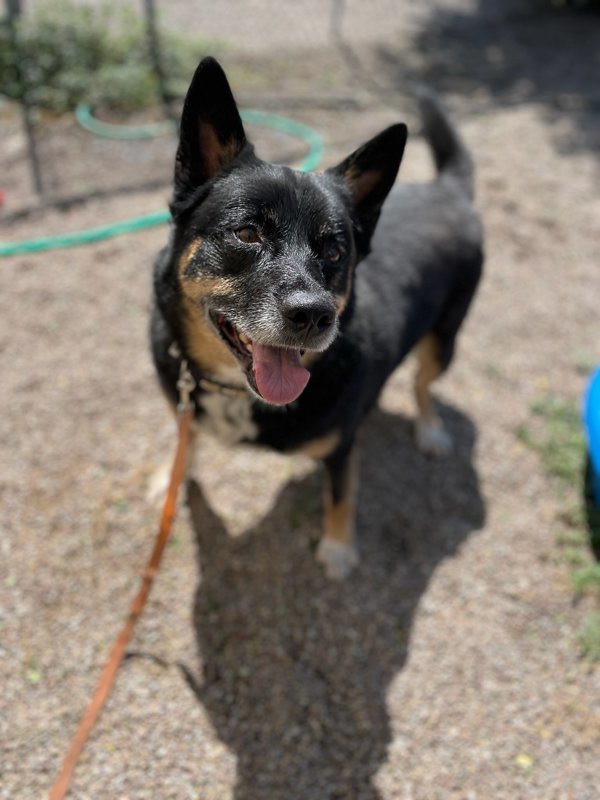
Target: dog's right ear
x=211, y=133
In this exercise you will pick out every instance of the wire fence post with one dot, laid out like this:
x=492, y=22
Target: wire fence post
x=13, y=12
x=157, y=64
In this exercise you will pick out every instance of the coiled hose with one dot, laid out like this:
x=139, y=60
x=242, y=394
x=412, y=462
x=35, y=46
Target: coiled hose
x=85, y=118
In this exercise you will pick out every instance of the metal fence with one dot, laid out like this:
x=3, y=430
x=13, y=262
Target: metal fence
x=282, y=54
x=306, y=59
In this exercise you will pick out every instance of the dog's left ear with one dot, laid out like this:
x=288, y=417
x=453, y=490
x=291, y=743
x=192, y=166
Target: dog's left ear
x=211, y=132
x=369, y=174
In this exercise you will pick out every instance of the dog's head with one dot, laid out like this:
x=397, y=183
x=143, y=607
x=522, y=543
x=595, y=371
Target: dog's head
x=265, y=255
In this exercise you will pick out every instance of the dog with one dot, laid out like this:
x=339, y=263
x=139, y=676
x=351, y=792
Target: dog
x=293, y=296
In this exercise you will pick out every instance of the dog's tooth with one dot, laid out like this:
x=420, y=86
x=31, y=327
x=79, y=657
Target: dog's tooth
x=243, y=338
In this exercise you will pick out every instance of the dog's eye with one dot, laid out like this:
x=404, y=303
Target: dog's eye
x=332, y=253
x=247, y=235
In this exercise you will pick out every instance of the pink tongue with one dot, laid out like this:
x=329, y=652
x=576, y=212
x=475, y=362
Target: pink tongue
x=279, y=375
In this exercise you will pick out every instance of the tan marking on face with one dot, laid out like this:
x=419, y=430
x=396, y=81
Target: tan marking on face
x=321, y=447
x=341, y=300
x=429, y=368
x=188, y=254
x=202, y=342
x=340, y=518
x=196, y=287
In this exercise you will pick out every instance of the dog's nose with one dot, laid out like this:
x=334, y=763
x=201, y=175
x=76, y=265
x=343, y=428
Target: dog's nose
x=306, y=314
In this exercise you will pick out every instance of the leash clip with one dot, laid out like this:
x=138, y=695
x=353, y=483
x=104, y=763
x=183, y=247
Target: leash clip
x=185, y=383
x=185, y=386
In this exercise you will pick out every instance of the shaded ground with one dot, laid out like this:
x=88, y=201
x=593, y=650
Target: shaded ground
x=448, y=666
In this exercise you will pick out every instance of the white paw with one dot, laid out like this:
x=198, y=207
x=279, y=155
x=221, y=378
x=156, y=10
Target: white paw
x=432, y=439
x=158, y=485
x=338, y=559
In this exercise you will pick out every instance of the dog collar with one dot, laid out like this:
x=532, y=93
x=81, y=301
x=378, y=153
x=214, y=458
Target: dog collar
x=209, y=385
x=204, y=383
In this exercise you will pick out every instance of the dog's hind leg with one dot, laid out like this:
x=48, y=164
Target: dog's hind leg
x=429, y=429
x=436, y=350
x=337, y=549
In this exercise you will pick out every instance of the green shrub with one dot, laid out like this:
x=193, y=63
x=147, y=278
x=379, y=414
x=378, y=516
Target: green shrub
x=68, y=53
x=589, y=638
x=557, y=437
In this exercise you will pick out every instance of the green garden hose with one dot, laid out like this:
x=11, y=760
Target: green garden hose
x=109, y=130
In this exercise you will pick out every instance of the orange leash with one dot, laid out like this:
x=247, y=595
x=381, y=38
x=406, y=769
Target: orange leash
x=107, y=679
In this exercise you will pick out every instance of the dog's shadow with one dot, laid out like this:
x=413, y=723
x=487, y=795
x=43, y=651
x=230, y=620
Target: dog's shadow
x=294, y=667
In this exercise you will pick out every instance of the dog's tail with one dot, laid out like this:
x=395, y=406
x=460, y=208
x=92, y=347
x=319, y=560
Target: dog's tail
x=449, y=152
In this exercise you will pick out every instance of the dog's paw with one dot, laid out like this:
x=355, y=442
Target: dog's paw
x=158, y=484
x=338, y=559
x=432, y=439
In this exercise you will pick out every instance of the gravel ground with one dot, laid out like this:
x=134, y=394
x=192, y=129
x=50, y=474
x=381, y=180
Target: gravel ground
x=448, y=665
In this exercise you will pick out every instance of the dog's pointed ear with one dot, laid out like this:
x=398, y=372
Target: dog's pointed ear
x=211, y=133
x=369, y=174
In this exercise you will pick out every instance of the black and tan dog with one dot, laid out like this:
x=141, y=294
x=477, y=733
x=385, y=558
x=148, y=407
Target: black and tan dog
x=290, y=310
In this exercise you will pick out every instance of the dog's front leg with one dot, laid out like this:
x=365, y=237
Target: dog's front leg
x=337, y=549
x=161, y=477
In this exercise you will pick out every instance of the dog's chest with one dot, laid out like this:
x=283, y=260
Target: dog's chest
x=228, y=417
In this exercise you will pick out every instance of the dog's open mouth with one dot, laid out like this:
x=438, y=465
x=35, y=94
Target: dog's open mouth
x=274, y=373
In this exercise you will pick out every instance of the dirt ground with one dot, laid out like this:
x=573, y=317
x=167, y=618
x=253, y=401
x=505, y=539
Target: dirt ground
x=447, y=667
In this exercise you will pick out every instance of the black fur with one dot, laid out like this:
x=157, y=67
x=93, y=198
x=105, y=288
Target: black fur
x=416, y=274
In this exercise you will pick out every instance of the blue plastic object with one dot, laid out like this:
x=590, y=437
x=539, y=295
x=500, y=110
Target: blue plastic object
x=591, y=421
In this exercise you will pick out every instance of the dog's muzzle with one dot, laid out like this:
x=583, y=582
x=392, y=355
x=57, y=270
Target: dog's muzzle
x=274, y=371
